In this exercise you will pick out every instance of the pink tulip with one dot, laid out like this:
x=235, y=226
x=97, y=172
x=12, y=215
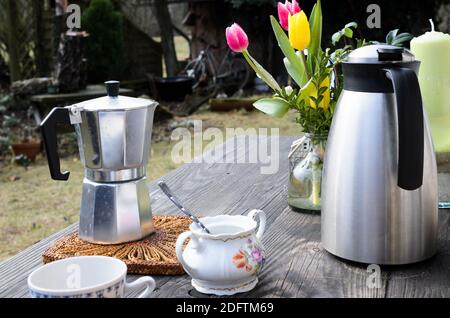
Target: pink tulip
x=236, y=38
x=285, y=10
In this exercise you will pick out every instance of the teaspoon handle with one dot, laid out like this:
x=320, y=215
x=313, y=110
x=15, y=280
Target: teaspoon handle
x=165, y=188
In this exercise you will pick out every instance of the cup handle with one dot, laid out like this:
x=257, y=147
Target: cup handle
x=141, y=282
x=179, y=250
x=262, y=221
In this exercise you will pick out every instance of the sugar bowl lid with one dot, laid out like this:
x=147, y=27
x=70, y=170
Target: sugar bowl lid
x=113, y=101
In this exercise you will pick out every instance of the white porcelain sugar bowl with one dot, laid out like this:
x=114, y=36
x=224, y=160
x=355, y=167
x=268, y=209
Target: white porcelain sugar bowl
x=228, y=260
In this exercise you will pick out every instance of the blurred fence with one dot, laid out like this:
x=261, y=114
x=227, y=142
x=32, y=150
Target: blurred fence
x=26, y=37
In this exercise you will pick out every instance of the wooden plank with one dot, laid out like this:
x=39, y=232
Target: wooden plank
x=313, y=272
x=443, y=161
x=244, y=197
x=198, y=187
x=230, y=103
x=236, y=197
x=14, y=271
x=427, y=279
x=430, y=278
x=444, y=186
x=297, y=265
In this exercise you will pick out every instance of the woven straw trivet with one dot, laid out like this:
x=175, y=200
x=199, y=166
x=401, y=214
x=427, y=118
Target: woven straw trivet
x=153, y=255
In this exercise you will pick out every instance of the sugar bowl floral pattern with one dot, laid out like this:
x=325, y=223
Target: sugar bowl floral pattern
x=250, y=257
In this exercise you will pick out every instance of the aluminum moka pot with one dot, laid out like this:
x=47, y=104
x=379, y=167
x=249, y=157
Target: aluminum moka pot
x=379, y=190
x=114, y=136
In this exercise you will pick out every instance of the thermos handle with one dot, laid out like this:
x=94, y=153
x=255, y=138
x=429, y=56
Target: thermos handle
x=410, y=127
x=58, y=115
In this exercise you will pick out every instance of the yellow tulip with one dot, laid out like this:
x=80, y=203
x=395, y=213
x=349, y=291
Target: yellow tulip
x=310, y=90
x=299, y=31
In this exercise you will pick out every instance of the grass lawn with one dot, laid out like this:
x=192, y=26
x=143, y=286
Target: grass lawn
x=34, y=206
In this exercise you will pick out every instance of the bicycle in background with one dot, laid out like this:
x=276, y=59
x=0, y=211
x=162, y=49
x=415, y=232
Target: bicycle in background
x=228, y=77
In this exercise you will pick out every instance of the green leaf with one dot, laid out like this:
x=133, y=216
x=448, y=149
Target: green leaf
x=361, y=43
x=402, y=38
x=315, y=22
x=274, y=106
x=391, y=36
x=296, y=65
x=296, y=76
x=305, y=92
x=348, y=32
x=322, y=90
x=352, y=24
x=261, y=72
x=336, y=37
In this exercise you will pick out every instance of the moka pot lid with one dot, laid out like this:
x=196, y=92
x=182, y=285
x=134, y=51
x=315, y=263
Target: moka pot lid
x=113, y=101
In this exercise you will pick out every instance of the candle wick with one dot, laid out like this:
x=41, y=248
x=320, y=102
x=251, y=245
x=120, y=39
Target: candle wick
x=432, y=24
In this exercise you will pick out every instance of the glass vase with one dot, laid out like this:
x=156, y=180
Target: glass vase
x=305, y=173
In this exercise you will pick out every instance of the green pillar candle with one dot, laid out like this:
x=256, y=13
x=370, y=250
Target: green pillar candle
x=433, y=50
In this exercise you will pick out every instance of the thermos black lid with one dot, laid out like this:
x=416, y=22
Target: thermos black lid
x=380, y=54
x=365, y=68
x=390, y=54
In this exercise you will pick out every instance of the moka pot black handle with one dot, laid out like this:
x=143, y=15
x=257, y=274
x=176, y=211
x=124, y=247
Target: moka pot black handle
x=58, y=115
x=410, y=127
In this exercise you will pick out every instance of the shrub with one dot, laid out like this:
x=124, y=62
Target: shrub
x=104, y=49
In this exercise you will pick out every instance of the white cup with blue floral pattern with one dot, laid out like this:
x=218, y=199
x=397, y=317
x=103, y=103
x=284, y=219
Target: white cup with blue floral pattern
x=85, y=277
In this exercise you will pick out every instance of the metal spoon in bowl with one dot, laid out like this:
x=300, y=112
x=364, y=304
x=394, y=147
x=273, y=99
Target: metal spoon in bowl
x=177, y=202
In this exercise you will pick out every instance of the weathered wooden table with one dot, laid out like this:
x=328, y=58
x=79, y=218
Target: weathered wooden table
x=297, y=265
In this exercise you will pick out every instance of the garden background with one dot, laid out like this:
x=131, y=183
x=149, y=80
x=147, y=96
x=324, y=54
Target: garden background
x=136, y=42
